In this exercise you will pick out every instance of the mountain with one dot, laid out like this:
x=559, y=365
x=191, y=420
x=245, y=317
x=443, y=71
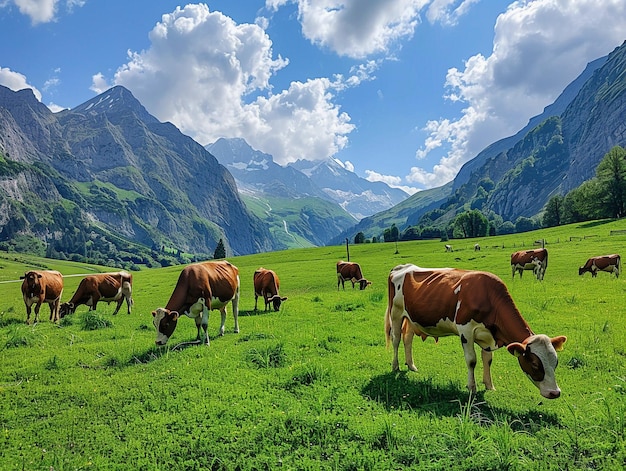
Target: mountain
x=553, y=154
x=358, y=196
x=111, y=168
x=305, y=203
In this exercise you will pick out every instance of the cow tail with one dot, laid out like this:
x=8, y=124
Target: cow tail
x=546, y=263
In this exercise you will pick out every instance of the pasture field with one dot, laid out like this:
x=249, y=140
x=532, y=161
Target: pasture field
x=311, y=387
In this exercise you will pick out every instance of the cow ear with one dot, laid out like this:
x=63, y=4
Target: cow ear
x=174, y=315
x=39, y=275
x=557, y=342
x=153, y=313
x=284, y=299
x=517, y=349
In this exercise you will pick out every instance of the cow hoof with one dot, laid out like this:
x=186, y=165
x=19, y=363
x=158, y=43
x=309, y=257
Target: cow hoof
x=412, y=367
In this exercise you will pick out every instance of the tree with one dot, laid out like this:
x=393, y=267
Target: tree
x=391, y=234
x=611, y=174
x=553, y=214
x=220, y=251
x=524, y=224
x=359, y=238
x=471, y=224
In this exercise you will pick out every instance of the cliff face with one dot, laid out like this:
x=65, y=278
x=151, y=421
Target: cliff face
x=124, y=170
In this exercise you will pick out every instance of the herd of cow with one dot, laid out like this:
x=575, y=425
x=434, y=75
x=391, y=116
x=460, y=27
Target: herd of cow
x=430, y=302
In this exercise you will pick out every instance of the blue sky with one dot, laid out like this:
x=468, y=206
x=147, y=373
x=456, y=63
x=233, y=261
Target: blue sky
x=403, y=91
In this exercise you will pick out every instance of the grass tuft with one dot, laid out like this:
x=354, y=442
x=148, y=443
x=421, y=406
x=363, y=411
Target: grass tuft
x=273, y=356
x=93, y=321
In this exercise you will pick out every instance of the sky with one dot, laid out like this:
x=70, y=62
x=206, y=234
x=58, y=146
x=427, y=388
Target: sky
x=400, y=91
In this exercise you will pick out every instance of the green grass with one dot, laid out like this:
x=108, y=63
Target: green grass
x=311, y=387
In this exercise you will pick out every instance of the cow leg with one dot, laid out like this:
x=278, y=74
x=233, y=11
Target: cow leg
x=204, y=323
x=467, y=341
x=129, y=303
x=256, y=299
x=396, y=335
x=119, y=305
x=235, y=306
x=37, y=307
x=407, y=338
x=28, y=311
x=223, y=324
x=486, y=357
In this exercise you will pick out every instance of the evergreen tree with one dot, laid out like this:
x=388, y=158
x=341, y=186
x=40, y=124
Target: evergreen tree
x=220, y=251
x=359, y=238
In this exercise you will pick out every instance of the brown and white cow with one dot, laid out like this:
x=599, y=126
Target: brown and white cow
x=216, y=282
x=609, y=263
x=266, y=285
x=350, y=271
x=534, y=259
x=40, y=287
x=477, y=307
x=106, y=287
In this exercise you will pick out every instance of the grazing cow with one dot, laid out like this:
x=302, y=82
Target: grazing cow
x=476, y=247
x=41, y=287
x=350, y=271
x=449, y=248
x=477, y=307
x=535, y=260
x=201, y=287
x=266, y=285
x=609, y=263
x=105, y=287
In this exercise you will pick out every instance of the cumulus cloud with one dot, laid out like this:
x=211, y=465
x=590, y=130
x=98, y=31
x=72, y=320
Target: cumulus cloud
x=356, y=28
x=41, y=11
x=539, y=48
x=392, y=181
x=211, y=77
x=16, y=81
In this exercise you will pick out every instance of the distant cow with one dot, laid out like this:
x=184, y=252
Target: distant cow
x=106, y=287
x=609, y=263
x=535, y=260
x=449, y=248
x=201, y=287
x=350, y=271
x=266, y=285
x=474, y=305
x=476, y=247
x=41, y=287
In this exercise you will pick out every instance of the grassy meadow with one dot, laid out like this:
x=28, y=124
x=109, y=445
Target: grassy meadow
x=311, y=387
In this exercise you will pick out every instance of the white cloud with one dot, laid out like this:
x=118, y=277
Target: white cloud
x=99, y=83
x=211, y=78
x=16, y=81
x=447, y=11
x=539, y=48
x=392, y=181
x=356, y=28
x=41, y=11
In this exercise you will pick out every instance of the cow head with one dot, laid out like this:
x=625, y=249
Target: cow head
x=164, y=321
x=66, y=308
x=537, y=358
x=363, y=283
x=31, y=280
x=276, y=301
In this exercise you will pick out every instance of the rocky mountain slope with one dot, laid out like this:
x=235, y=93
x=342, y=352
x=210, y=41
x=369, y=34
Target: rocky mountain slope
x=556, y=152
x=109, y=166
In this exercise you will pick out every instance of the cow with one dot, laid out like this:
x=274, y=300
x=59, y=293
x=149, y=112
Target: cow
x=39, y=287
x=534, y=259
x=477, y=307
x=476, y=247
x=449, y=248
x=609, y=263
x=266, y=285
x=350, y=271
x=106, y=287
x=201, y=287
